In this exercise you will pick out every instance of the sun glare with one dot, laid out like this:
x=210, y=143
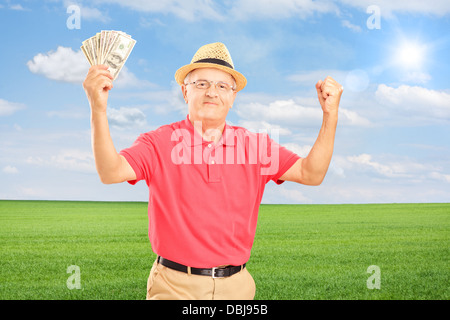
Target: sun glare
x=410, y=55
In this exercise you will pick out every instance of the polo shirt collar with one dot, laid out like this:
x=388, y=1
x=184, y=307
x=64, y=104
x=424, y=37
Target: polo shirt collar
x=193, y=138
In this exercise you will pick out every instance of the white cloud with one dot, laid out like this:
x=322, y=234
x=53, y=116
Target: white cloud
x=24, y=192
x=365, y=160
x=193, y=10
x=7, y=108
x=418, y=104
x=17, y=7
x=128, y=79
x=285, y=193
x=416, y=77
x=294, y=195
x=64, y=64
x=279, y=111
x=351, y=26
x=385, y=178
x=388, y=7
x=302, y=151
x=87, y=13
x=126, y=117
x=263, y=9
x=70, y=159
x=282, y=9
x=392, y=167
x=288, y=112
x=440, y=176
x=93, y=14
x=264, y=126
x=10, y=170
x=68, y=65
x=370, y=179
x=190, y=10
x=351, y=118
x=149, y=23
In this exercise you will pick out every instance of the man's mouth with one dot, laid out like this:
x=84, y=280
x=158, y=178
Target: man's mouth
x=210, y=103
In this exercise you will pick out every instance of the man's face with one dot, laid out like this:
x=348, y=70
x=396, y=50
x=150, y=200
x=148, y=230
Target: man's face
x=209, y=104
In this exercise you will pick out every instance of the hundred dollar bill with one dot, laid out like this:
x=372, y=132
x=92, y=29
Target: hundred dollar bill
x=109, y=47
x=119, y=53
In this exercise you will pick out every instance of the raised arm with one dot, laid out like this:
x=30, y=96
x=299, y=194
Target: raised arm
x=312, y=169
x=111, y=166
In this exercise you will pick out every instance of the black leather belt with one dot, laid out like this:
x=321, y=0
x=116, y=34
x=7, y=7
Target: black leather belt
x=215, y=272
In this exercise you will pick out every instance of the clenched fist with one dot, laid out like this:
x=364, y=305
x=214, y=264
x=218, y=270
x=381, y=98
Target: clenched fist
x=329, y=93
x=97, y=84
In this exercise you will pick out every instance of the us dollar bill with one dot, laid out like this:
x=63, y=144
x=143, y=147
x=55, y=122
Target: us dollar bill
x=109, y=47
x=118, y=54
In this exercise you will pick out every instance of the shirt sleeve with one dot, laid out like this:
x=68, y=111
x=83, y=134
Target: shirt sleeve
x=276, y=161
x=141, y=157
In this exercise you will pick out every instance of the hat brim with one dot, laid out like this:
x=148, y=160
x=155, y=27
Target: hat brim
x=181, y=73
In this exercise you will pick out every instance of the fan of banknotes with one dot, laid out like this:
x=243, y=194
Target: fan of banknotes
x=109, y=47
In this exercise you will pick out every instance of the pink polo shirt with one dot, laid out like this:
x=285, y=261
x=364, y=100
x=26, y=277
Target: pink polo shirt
x=204, y=197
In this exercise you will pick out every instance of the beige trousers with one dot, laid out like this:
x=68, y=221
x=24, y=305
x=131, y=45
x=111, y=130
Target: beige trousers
x=168, y=284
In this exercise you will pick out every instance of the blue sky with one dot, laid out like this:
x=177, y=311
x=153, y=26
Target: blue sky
x=392, y=142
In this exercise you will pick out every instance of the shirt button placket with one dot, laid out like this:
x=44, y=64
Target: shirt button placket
x=213, y=169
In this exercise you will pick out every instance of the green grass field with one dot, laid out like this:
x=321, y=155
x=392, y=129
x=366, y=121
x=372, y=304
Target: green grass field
x=300, y=251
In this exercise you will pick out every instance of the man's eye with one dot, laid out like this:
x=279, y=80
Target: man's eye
x=202, y=84
x=223, y=86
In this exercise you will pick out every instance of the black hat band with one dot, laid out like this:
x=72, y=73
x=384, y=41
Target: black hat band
x=215, y=61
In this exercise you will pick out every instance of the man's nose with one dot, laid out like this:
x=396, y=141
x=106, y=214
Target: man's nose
x=212, y=90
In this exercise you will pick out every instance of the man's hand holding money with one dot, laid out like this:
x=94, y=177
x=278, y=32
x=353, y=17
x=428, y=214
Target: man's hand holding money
x=107, y=53
x=97, y=84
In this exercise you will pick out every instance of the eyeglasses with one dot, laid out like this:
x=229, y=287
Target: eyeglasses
x=205, y=84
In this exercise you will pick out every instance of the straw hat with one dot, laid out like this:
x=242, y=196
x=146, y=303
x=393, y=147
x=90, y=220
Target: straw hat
x=213, y=55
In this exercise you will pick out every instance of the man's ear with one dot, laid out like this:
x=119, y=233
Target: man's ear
x=234, y=97
x=184, y=91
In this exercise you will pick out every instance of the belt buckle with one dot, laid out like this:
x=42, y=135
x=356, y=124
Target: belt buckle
x=213, y=272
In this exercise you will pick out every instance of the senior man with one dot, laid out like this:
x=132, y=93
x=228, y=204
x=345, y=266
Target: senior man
x=206, y=178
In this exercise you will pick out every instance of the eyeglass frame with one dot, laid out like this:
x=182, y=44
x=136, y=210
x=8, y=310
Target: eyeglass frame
x=233, y=88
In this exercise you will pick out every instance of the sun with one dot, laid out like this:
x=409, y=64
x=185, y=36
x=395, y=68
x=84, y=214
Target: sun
x=410, y=55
